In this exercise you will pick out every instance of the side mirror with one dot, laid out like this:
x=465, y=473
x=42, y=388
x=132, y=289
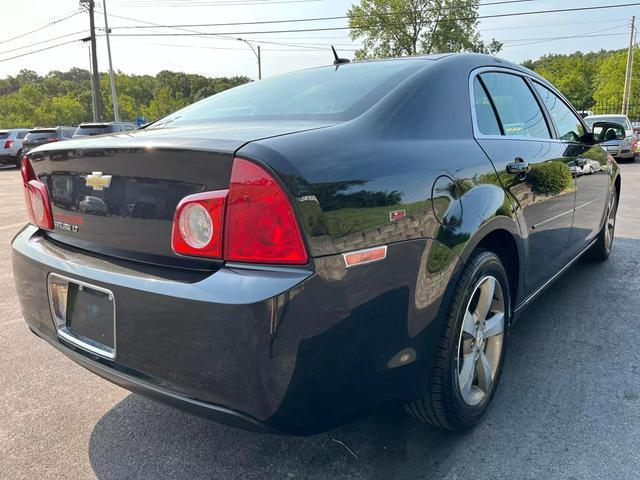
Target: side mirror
x=608, y=132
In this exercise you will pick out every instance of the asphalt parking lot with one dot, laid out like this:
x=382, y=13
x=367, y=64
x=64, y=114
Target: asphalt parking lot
x=568, y=405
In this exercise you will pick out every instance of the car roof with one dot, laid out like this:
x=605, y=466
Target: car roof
x=102, y=124
x=613, y=115
x=45, y=129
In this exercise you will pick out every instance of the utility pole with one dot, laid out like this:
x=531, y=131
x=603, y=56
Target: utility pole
x=95, y=74
x=93, y=89
x=259, y=64
x=114, y=95
x=629, y=70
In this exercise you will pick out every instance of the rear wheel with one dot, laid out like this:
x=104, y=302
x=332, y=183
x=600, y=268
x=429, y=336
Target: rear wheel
x=18, y=160
x=471, y=349
x=602, y=248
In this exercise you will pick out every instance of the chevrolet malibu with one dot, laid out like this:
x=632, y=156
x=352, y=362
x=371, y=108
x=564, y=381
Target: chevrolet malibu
x=291, y=253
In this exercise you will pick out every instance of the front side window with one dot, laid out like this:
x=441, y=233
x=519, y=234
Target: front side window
x=567, y=124
x=517, y=108
x=485, y=116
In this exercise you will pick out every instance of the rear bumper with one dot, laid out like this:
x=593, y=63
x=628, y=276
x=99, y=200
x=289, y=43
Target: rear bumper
x=7, y=157
x=290, y=350
x=135, y=384
x=625, y=153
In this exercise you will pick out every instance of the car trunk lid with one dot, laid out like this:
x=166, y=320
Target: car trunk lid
x=116, y=195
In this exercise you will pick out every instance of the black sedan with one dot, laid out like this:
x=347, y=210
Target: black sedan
x=293, y=252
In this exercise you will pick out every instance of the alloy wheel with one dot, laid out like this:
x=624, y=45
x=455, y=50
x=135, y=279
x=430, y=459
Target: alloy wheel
x=481, y=340
x=610, y=225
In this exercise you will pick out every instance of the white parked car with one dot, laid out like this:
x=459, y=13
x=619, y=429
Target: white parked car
x=628, y=144
x=11, y=145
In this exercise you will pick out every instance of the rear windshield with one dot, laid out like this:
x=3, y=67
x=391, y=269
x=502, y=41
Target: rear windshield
x=4, y=135
x=92, y=130
x=40, y=134
x=326, y=93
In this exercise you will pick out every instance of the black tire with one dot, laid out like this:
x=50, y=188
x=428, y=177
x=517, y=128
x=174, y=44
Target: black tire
x=601, y=250
x=442, y=404
x=18, y=160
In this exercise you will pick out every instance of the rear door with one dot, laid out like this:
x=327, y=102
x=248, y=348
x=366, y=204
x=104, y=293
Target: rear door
x=591, y=169
x=513, y=130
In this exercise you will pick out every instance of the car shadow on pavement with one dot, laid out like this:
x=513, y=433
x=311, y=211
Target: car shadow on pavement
x=551, y=394
x=141, y=439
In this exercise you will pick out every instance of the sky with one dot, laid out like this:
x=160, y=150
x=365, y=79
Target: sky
x=524, y=37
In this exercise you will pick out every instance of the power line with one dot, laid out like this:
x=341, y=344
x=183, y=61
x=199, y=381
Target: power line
x=42, y=41
x=208, y=3
x=343, y=17
x=216, y=4
x=298, y=20
x=552, y=39
x=321, y=29
x=39, y=50
x=338, y=37
x=226, y=37
x=39, y=29
x=242, y=49
x=579, y=35
x=531, y=41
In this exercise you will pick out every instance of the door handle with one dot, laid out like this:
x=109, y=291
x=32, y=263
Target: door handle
x=518, y=167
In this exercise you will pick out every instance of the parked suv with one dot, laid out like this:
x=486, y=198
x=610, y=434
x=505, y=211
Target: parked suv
x=41, y=135
x=629, y=143
x=87, y=129
x=11, y=145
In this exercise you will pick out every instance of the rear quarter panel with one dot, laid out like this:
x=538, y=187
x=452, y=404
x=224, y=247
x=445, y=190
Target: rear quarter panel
x=407, y=169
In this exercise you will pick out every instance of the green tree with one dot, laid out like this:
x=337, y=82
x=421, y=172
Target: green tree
x=164, y=103
x=574, y=74
x=392, y=28
x=59, y=98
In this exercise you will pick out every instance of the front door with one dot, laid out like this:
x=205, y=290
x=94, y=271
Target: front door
x=589, y=164
x=533, y=168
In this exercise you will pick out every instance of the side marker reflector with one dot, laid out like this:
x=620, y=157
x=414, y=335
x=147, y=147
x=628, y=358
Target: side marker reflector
x=360, y=257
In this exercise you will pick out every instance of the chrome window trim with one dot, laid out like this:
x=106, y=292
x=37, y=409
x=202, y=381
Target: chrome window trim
x=60, y=323
x=472, y=104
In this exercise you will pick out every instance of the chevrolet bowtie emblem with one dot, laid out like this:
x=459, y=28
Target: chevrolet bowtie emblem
x=97, y=181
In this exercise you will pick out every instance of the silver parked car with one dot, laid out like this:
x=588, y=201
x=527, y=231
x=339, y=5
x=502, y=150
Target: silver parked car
x=628, y=144
x=11, y=145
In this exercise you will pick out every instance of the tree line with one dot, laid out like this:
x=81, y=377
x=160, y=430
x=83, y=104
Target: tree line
x=64, y=98
x=593, y=80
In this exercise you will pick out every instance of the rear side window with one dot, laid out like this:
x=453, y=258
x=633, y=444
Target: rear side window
x=22, y=134
x=517, y=108
x=567, y=124
x=485, y=116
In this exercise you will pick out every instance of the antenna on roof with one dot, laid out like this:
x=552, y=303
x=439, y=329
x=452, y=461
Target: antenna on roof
x=337, y=60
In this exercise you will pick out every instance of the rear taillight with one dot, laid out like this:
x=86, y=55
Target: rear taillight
x=260, y=223
x=8, y=144
x=251, y=222
x=36, y=197
x=197, y=225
